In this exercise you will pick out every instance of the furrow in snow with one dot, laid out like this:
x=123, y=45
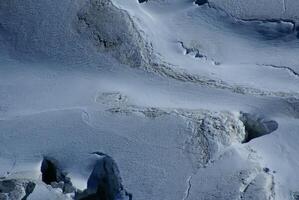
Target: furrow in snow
x=187, y=192
x=291, y=70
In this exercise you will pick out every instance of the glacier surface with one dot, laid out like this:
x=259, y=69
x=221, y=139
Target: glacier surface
x=155, y=99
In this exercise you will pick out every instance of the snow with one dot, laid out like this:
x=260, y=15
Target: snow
x=168, y=118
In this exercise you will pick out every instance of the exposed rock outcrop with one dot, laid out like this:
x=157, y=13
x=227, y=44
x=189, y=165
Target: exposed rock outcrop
x=14, y=189
x=104, y=182
x=54, y=176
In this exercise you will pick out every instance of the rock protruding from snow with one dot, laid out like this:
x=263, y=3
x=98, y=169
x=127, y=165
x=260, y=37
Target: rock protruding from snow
x=53, y=175
x=50, y=172
x=294, y=195
x=16, y=189
x=201, y=2
x=142, y=1
x=104, y=183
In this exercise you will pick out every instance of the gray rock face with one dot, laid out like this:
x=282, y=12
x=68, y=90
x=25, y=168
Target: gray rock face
x=294, y=195
x=142, y=1
x=201, y=2
x=52, y=175
x=23, y=189
x=104, y=182
x=50, y=172
x=15, y=189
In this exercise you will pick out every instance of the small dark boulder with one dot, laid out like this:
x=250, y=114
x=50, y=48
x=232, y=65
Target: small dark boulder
x=104, y=182
x=142, y=1
x=18, y=189
x=201, y=2
x=50, y=172
x=53, y=175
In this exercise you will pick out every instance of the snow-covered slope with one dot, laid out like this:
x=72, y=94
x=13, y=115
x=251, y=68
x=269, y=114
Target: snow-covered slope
x=161, y=99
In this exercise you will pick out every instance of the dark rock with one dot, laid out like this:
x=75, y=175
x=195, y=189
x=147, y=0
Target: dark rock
x=201, y=2
x=297, y=32
x=16, y=189
x=266, y=169
x=295, y=195
x=104, y=182
x=50, y=172
x=29, y=189
x=53, y=175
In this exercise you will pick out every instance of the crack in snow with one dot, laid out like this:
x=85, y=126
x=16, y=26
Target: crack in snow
x=284, y=6
x=189, y=185
x=203, y=127
x=166, y=71
x=291, y=70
